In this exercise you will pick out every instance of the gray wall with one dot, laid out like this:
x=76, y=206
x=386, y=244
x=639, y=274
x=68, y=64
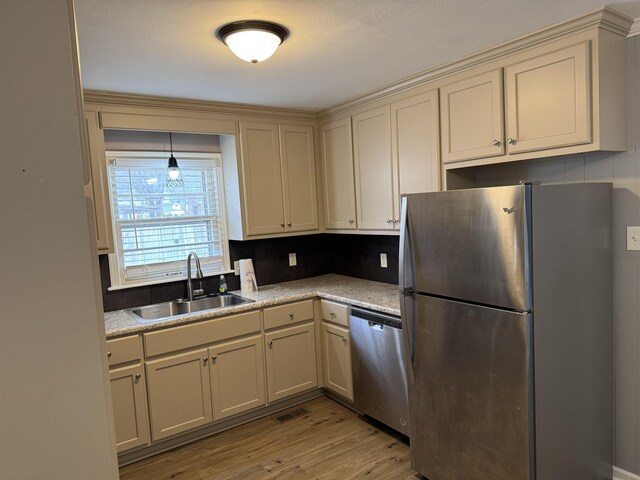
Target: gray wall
x=623, y=169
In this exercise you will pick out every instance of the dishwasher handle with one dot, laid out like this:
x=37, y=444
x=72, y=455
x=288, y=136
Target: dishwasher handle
x=375, y=318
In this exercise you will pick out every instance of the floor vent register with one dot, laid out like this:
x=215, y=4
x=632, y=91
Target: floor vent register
x=291, y=415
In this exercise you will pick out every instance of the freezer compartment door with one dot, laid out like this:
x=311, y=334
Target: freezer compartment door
x=471, y=245
x=470, y=403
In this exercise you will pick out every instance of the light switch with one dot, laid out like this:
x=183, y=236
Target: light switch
x=293, y=261
x=383, y=260
x=236, y=267
x=633, y=238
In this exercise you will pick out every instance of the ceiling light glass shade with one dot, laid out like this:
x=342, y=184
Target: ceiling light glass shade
x=252, y=40
x=174, y=174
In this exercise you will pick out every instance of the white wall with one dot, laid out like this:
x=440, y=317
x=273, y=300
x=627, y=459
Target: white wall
x=55, y=413
x=623, y=169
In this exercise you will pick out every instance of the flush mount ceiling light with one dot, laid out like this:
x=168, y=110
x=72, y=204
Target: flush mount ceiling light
x=252, y=40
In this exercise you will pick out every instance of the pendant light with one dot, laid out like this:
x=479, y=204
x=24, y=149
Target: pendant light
x=252, y=40
x=174, y=175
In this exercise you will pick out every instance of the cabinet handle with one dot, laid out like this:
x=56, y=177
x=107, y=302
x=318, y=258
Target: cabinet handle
x=108, y=354
x=291, y=316
x=270, y=343
x=351, y=220
x=496, y=143
x=138, y=376
x=288, y=224
x=204, y=360
x=512, y=141
x=214, y=358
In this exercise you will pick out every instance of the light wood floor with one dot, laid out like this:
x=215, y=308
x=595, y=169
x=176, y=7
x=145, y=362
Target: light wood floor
x=329, y=443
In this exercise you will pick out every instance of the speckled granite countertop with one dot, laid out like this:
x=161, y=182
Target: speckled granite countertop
x=382, y=297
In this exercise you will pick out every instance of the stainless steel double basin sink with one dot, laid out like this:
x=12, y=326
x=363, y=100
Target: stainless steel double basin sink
x=170, y=310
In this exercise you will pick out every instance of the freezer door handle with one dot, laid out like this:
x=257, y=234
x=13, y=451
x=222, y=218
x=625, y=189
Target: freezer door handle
x=405, y=264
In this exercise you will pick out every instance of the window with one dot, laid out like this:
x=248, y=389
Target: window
x=155, y=226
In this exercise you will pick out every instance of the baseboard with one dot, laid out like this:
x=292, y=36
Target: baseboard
x=620, y=474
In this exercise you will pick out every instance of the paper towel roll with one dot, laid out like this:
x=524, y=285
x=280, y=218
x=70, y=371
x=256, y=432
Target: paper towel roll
x=248, y=282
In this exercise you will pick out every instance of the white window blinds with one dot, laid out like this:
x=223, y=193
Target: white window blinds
x=155, y=226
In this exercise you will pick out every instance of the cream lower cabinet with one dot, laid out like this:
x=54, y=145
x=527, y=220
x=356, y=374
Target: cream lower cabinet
x=336, y=350
x=179, y=393
x=291, y=361
x=129, y=399
x=337, y=170
x=237, y=376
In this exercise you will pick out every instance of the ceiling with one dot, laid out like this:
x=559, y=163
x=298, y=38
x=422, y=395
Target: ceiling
x=337, y=49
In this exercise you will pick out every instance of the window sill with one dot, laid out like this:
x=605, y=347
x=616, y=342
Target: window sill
x=172, y=279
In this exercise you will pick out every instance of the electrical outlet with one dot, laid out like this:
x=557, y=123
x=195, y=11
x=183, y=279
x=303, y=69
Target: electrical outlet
x=236, y=267
x=293, y=261
x=383, y=260
x=633, y=238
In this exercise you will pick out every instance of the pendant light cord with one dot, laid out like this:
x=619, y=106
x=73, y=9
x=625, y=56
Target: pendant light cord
x=171, y=144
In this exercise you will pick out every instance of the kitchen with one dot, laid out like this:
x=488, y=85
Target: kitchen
x=68, y=344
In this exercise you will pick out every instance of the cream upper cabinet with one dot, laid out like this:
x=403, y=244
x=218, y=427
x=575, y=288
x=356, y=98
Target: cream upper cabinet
x=299, y=178
x=278, y=170
x=129, y=399
x=415, y=146
x=237, y=376
x=472, y=117
x=291, y=361
x=337, y=170
x=373, y=169
x=98, y=187
x=549, y=100
x=262, y=178
x=179, y=393
x=336, y=349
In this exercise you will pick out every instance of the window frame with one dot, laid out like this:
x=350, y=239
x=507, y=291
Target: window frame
x=116, y=268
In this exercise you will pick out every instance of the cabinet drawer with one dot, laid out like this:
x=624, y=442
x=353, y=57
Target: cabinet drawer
x=288, y=314
x=187, y=336
x=125, y=349
x=335, y=312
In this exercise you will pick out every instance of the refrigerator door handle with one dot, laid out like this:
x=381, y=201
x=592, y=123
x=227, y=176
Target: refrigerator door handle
x=406, y=292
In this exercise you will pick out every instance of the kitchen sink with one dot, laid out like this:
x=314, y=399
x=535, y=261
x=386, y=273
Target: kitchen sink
x=170, y=310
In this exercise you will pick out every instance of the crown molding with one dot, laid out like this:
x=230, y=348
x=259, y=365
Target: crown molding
x=605, y=18
x=635, y=28
x=202, y=106
x=620, y=474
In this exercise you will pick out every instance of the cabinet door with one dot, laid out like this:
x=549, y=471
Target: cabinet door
x=336, y=347
x=337, y=168
x=549, y=100
x=129, y=398
x=262, y=178
x=98, y=188
x=472, y=118
x=299, y=178
x=415, y=145
x=179, y=393
x=291, y=361
x=373, y=169
x=237, y=376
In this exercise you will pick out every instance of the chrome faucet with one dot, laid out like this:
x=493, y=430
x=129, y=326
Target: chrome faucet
x=190, y=291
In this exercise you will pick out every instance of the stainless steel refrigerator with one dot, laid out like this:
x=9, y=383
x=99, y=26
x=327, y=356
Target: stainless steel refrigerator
x=506, y=300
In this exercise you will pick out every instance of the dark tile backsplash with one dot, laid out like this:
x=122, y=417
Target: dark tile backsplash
x=352, y=255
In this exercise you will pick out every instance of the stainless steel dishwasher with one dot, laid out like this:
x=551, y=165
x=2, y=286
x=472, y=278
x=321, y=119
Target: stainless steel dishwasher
x=379, y=375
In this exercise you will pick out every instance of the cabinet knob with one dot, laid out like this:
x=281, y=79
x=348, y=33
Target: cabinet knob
x=351, y=220
x=396, y=221
x=214, y=358
x=333, y=315
x=138, y=376
x=282, y=224
x=108, y=354
x=291, y=315
x=204, y=360
x=496, y=143
x=270, y=343
x=512, y=141
x=344, y=340
x=288, y=224
x=389, y=221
